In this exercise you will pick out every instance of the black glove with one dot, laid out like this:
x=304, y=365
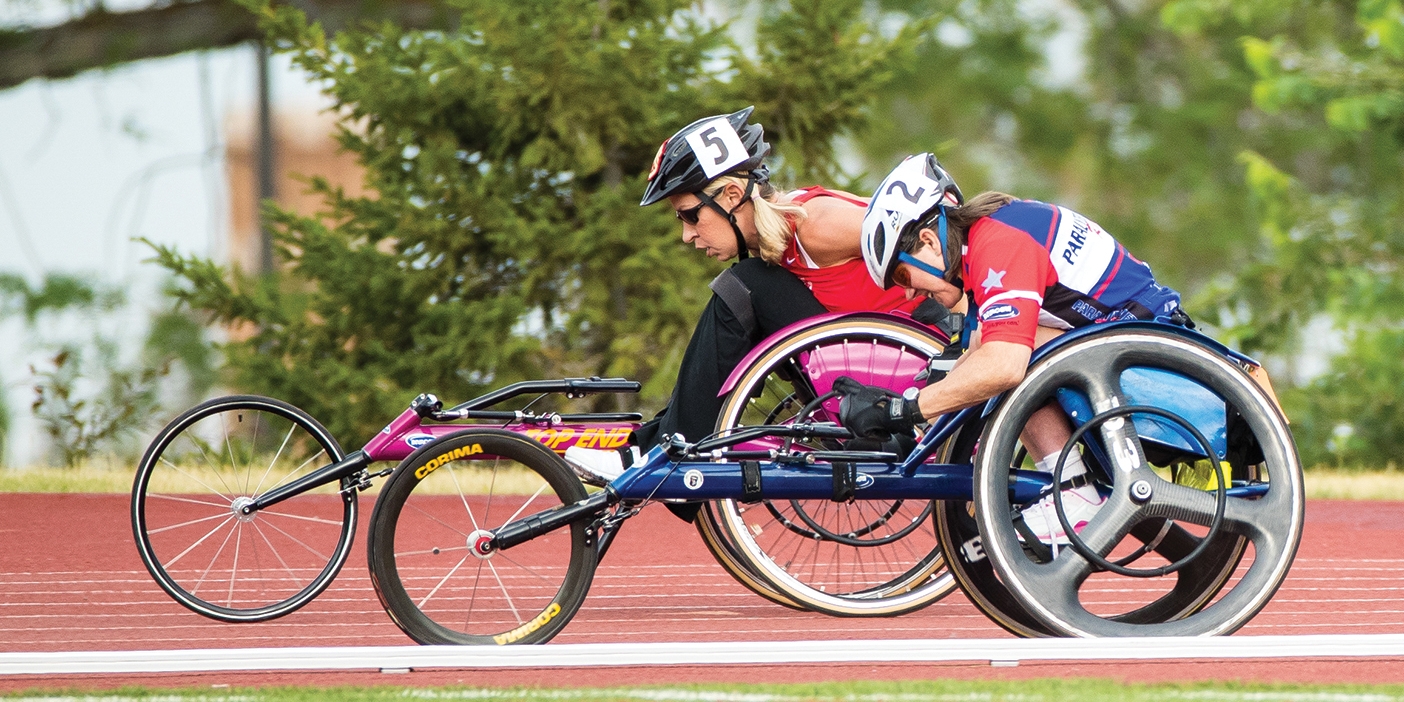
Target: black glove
x=871, y=412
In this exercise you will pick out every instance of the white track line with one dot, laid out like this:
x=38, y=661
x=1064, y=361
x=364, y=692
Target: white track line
x=709, y=653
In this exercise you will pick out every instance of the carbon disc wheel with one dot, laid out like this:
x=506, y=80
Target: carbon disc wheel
x=1058, y=592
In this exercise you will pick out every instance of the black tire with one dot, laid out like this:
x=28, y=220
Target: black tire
x=1053, y=591
x=724, y=551
x=959, y=535
x=200, y=549
x=859, y=559
x=435, y=502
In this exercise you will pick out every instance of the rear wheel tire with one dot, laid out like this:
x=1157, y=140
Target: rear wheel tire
x=864, y=558
x=1055, y=592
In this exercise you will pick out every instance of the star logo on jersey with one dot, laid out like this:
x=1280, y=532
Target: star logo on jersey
x=993, y=280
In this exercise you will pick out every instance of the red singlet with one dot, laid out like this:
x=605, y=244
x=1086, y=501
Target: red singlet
x=846, y=287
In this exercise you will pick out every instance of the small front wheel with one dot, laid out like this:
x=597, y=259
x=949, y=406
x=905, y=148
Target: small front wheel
x=443, y=499
x=195, y=539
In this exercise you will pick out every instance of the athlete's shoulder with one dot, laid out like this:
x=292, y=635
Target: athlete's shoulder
x=1036, y=219
x=822, y=196
x=994, y=233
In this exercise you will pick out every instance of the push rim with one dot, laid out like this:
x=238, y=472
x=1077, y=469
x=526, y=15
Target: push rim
x=959, y=534
x=1051, y=592
x=824, y=575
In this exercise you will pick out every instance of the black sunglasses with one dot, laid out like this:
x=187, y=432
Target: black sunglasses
x=691, y=214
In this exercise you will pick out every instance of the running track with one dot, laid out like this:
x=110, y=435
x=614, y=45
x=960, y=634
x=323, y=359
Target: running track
x=70, y=581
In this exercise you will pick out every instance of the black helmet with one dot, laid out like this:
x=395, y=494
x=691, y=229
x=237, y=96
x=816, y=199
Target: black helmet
x=704, y=150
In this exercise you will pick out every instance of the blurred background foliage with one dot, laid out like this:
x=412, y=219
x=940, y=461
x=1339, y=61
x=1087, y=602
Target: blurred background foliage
x=1249, y=149
x=90, y=400
x=504, y=240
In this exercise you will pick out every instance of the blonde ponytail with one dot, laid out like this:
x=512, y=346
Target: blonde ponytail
x=775, y=221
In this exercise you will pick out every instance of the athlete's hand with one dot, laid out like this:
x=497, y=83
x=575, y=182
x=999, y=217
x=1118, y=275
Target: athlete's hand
x=871, y=412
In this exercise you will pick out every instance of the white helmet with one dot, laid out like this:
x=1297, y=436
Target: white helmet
x=907, y=196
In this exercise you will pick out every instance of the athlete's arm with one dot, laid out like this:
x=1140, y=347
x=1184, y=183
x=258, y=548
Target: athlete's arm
x=1008, y=273
x=991, y=369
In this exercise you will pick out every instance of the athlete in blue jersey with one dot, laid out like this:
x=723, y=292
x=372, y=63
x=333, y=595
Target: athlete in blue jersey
x=1032, y=271
x=1029, y=264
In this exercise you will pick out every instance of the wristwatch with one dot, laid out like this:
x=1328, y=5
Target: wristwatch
x=906, y=408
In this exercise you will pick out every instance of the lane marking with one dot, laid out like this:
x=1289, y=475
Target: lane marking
x=703, y=653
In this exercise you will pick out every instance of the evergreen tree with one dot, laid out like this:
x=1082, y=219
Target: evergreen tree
x=502, y=239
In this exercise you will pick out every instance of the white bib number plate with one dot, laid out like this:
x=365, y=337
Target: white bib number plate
x=717, y=146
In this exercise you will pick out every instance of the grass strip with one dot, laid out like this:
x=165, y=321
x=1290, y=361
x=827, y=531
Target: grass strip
x=191, y=480
x=1051, y=690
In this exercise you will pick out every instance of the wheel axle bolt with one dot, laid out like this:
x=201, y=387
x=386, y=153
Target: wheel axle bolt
x=480, y=544
x=1140, y=491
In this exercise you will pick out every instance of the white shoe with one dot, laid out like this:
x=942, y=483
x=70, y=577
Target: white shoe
x=1080, y=504
x=598, y=467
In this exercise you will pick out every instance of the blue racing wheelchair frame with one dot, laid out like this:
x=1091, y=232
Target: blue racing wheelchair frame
x=1188, y=400
x=483, y=535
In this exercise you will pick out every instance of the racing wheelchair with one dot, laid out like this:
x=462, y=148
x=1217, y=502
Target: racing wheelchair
x=482, y=534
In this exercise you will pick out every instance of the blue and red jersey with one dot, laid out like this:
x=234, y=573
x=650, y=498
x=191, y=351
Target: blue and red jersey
x=1031, y=263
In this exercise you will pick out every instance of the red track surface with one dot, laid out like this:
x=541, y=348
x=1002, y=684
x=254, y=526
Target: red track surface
x=70, y=580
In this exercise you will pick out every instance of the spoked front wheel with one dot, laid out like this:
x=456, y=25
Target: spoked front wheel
x=444, y=498
x=192, y=534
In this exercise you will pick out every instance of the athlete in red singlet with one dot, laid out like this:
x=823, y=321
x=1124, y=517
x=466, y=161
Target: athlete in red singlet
x=845, y=287
x=798, y=259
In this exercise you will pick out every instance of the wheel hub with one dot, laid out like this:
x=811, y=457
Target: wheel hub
x=480, y=544
x=240, y=512
x=1141, y=491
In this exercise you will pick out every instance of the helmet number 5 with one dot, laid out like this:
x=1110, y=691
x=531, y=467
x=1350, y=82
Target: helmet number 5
x=709, y=138
x=717, y=147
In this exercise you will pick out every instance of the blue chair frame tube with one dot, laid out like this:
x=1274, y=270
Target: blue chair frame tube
x=662, y=479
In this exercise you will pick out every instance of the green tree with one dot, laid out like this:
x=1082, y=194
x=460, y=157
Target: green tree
x=506, y=157
x=1329, y=207
x=1145, y=140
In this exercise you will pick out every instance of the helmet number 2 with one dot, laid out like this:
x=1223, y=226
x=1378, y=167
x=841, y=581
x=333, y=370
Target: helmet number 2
x=911, y=197
x=717, y=146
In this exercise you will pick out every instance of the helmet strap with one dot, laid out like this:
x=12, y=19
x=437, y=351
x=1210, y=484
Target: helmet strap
x=941, y=227
x=941, y=231
x=904, y=257
x=742, y=251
